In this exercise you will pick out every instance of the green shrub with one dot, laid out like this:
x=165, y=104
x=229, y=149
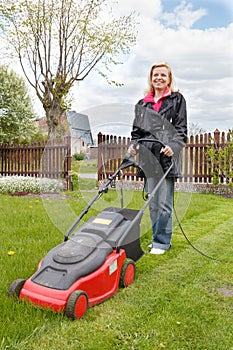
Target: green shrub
x=221, y=161
x=78, y=156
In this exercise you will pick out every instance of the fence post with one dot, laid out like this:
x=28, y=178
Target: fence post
x=68, y=163
x=100, y=140
x=217, y=138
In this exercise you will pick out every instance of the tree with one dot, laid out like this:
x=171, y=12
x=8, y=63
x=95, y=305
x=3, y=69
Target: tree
x=59, y=42
x=16, y=113
x=195, y=129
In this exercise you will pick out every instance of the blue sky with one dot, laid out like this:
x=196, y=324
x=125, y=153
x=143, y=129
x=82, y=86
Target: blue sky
x=196, y=38
x=216, y=13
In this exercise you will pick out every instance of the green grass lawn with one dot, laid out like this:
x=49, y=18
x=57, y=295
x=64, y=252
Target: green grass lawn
x=179, y=301
x=85, y=166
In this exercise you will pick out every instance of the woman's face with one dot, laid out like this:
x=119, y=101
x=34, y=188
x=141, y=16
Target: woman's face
x=160, y=78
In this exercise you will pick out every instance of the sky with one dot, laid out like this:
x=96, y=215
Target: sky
x=195, y=37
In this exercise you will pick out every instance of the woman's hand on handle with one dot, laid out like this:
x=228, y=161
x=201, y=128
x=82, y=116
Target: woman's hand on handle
x=167, y=151
x=132, y=150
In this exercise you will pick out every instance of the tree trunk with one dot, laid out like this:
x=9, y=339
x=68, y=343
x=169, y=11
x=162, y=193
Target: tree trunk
x=58, y=125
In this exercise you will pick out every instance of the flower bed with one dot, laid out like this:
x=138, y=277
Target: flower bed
x=27, y=184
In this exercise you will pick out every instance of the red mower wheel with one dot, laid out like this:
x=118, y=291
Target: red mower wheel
x=77, y=305
x=15, y=288
x=128, y=273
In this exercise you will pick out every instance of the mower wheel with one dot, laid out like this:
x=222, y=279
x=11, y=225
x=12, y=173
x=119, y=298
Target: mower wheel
x=15, y=288
x=77, y=305
x=128, y=273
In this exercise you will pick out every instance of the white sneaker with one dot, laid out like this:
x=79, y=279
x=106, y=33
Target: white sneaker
x=157, y=251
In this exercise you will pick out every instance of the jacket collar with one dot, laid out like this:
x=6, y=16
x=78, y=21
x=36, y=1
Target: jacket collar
x=167, y=103
x=150, y=97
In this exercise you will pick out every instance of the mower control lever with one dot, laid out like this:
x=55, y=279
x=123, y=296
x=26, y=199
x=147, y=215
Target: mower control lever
x=128, y=161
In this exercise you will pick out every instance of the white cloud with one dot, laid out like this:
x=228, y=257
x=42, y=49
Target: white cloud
x=202, y=62
x=183, y=15
x=151, y=8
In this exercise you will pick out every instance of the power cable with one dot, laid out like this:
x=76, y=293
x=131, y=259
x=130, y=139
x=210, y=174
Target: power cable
x=195, y=248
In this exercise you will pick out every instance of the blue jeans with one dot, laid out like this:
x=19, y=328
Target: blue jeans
x=161, y=212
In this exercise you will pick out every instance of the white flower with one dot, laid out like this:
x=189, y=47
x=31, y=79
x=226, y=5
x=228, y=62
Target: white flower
x=12, y=184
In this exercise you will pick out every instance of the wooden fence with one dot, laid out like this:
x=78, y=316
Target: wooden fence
x=51, y=159
x=196, y=165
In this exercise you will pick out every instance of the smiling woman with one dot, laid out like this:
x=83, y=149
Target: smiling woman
x=159, y=133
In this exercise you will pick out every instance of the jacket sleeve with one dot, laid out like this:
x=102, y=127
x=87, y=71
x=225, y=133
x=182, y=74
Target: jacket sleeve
x=136, y=132
x=180, y=124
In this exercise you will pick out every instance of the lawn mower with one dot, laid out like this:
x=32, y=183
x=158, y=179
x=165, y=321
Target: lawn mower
x=88, y=268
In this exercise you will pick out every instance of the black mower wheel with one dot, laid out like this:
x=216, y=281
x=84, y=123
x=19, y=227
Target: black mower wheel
x=15, y=288
x=77, y=305
x=128, y=273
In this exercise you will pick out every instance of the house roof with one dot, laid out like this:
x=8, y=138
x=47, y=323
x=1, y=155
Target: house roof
x=78, y=121
x=80, y=126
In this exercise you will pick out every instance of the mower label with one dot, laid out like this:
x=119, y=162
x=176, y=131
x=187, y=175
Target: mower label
x=113, y=267
x=102, y=221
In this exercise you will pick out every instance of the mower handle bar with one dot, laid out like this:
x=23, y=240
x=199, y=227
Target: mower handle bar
x=127, y=161
x=151, y=140
x=103, y=189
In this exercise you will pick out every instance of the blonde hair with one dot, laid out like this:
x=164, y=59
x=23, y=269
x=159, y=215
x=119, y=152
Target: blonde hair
x=156, y=65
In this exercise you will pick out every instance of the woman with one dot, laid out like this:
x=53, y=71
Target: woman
x=160, y=115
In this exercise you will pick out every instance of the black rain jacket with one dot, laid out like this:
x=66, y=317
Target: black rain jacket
x=169, y=125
